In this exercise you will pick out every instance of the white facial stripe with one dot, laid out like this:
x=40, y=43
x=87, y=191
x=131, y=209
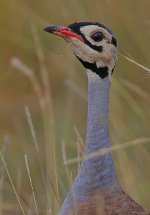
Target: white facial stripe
x=89, y=29
x=88, y=54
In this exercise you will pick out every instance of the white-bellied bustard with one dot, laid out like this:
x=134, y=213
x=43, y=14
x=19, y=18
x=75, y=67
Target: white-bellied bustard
x=96, y=190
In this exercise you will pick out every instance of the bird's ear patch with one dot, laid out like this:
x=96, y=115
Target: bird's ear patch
x=114, y=41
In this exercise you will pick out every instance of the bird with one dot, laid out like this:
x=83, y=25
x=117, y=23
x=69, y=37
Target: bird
x=96, y=189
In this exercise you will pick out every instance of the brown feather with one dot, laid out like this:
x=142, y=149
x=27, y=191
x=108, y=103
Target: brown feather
x=109, y=203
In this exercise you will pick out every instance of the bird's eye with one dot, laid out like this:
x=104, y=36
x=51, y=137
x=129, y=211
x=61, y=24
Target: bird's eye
x=97, y=37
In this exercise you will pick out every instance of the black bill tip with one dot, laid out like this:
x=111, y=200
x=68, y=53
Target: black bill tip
x=52, y=29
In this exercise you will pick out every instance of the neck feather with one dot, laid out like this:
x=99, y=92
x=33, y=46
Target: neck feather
x=97, y=172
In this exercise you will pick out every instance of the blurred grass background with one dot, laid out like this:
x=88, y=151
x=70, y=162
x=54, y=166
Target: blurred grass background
x=43, y=100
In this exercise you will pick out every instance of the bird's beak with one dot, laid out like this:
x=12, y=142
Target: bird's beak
x=63, y=31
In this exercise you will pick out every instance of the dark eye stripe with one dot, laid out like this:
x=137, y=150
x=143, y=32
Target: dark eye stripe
x=76, y=28
x=97, y=48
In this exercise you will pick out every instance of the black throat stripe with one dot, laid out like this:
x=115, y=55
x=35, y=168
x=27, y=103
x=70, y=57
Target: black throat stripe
x=101, y=71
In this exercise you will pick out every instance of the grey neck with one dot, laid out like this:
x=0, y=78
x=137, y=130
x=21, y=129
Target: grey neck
x=97, y=172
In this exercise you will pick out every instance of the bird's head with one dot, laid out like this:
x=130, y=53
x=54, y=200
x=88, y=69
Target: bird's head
x=93, y=44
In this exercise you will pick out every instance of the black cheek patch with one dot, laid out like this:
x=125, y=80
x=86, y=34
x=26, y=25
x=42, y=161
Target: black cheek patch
x=100, y=71
x=114, y=41
x=96, y=48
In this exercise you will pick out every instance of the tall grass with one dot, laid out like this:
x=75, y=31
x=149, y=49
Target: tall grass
x=43, y=108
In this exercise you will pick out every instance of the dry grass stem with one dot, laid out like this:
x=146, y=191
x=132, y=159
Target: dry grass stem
x=44, y=73
x=56, y=174
x=4, y=149
x=136, y=63
x=33, y=133
x=136, y=89
x=12, y=184
x=132, y=102
x=64, y=151
x=41, y=58
x=64, y=160
x=19, y=180
x=34, y=137
x=54, y=191
x=107, y=150
x=31, y=184
x=19, y=65
x=80, y=146
x=79, y=140
x=78, y=155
